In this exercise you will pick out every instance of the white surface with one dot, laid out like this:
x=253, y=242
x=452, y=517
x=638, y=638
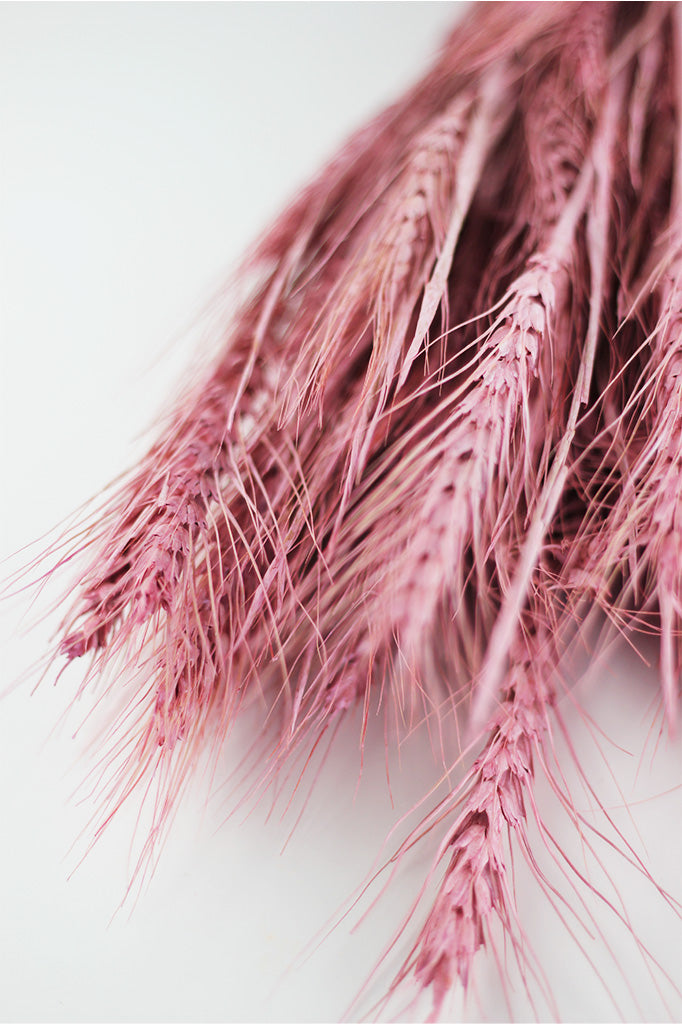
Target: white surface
x=143, y=148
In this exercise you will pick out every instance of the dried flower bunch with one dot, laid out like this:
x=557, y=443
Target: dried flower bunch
x=445, y=420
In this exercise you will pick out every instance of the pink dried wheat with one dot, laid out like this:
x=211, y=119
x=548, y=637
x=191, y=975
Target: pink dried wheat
x=445, y=416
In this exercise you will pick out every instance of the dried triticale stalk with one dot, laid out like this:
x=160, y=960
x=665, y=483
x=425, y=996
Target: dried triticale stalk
x=476, y=882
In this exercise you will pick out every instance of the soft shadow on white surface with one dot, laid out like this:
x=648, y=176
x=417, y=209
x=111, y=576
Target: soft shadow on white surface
x=144, y=147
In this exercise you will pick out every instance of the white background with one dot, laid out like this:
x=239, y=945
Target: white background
x=142, y=148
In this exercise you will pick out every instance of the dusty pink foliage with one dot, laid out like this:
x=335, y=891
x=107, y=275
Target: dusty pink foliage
x=447, y=414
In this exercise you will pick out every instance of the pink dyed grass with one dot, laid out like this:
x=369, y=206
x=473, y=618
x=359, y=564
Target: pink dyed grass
x=446, y=417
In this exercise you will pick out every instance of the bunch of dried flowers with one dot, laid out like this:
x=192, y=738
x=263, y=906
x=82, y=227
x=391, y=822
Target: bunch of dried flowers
x=444, y=419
